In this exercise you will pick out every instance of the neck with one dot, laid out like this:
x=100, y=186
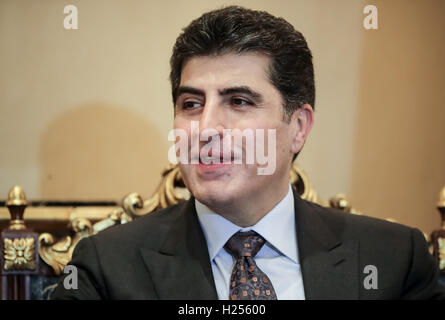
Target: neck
x=246, y=212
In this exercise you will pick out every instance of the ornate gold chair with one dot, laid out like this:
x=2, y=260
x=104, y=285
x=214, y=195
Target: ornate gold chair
x=55, y=252
x=170, y=191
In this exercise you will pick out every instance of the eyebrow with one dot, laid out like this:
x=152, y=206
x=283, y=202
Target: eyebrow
x=243, y=89
x=224, y=92
x=191, y=90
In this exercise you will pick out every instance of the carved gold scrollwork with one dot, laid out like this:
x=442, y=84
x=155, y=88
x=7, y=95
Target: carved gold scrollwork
x=341, y=202
x=118, y=216
x=19, y=254
x=58, y=254
x=437, y=243
x=441, y=202
x=170, y=192
x=300, y=181
x=441, y=244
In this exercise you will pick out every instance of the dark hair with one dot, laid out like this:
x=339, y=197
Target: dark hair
x=237, y=29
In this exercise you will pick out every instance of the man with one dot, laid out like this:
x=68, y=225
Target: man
x=245, y=235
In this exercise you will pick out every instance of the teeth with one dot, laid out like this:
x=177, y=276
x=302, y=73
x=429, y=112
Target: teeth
x=214, y=160
x=211, y=160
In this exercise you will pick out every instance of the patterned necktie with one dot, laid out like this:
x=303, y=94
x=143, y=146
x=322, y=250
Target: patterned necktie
x=248, y=282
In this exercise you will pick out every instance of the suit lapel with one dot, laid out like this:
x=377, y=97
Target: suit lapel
x=329, y=264
x=181, y=268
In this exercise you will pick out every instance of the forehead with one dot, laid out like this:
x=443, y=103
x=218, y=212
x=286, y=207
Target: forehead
x=249, y=68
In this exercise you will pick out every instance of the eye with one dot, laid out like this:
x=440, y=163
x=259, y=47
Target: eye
x=241, y=102
x=191, y=105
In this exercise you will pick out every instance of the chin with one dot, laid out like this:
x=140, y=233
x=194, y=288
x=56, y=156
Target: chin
x=221, y=187
x=213, y=194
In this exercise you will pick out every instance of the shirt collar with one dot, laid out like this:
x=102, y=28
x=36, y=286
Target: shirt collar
x=277, y=227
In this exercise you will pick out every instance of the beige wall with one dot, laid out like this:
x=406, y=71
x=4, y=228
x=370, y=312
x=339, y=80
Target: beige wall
x=399, y=149
x=84, y=114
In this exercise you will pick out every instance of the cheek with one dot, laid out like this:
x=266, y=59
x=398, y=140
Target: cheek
x=276, y=134
x=284, y=141
x=180, y=123
x=182, y=128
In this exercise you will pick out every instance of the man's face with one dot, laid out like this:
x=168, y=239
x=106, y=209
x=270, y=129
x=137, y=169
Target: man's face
x=232, y=91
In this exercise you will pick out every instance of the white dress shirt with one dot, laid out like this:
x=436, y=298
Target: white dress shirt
x=278, y=258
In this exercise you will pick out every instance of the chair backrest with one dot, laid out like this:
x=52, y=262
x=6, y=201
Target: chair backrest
x=47, y=254
x=172, y=190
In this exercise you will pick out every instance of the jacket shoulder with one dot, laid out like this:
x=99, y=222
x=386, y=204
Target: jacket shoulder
x=361, y=227
x=148, y=229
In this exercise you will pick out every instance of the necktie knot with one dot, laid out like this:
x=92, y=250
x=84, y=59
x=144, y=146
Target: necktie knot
x=248, y=281
x=244, y=244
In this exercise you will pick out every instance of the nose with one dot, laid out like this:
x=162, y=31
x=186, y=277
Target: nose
x=213, y=117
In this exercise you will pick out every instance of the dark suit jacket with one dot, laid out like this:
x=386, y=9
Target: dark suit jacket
x=164, y=256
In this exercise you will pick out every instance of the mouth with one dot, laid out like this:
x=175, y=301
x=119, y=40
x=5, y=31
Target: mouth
x=216, y=159
x=215, y=164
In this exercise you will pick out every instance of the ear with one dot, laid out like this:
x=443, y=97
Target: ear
x=303, y=120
